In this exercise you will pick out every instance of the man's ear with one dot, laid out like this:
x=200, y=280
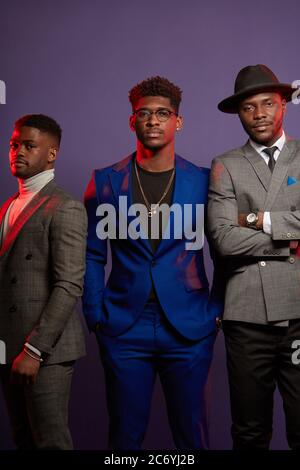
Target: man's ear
x=52, y=154
x=179, y=123
x=132, y=123
x=283, y=104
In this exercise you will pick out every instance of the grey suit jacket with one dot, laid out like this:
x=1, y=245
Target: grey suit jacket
x=262, y=271
x=42, y=264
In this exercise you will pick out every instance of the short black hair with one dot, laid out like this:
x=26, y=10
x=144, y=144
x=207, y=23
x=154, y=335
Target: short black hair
x=42, y=122
x=156, y=86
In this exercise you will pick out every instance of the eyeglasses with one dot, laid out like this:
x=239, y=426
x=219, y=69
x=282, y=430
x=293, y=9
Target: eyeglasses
x=162, y=114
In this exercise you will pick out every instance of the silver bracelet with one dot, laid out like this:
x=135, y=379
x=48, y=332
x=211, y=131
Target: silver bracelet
x=32, y=356
x=33, y=349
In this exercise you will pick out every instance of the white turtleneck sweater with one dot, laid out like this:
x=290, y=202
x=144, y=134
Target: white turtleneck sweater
x=28, y=188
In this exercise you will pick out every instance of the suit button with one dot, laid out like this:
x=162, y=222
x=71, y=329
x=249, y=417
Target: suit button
x=153, y=262
x=292, y=260
x=13, y=309
x=289, y=235
x=263, y=263
x=29, y=256
x=14, y=280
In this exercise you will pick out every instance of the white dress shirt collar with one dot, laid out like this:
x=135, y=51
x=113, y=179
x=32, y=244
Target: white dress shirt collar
x=259, y=148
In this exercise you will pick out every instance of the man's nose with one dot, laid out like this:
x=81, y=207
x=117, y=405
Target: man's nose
x=20, y=150
x=152, y=120
x=259, y=112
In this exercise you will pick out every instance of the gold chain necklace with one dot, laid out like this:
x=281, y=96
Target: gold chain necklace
x=152, y=207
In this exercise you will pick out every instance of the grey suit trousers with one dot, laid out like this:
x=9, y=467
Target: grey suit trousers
x=39, y=412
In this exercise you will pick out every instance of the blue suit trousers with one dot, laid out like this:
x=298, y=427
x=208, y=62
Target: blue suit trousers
x=131, y=363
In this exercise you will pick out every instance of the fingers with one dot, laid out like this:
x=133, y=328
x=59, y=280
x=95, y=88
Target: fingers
x=24, y=371
x=18, y=378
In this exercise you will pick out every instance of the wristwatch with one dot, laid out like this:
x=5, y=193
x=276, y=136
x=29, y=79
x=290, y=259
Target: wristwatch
x=251, y=220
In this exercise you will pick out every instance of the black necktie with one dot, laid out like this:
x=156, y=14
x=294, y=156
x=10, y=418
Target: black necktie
x=270, y=152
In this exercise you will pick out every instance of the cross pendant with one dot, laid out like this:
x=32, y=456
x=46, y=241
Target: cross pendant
x=152, y=212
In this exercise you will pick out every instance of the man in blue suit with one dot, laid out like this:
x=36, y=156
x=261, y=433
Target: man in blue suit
x=155, y=314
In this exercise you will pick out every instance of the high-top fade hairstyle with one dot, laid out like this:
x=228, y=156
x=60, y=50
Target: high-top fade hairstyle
x=156, y=86
x=42, y=123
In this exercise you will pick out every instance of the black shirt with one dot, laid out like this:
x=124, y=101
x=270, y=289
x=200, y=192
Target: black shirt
x=153, y=184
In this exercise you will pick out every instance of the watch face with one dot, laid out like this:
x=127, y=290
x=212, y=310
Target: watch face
x=251, y=218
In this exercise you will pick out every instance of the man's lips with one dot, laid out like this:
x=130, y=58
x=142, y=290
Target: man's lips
x=153, y=133
x=261, y=126
x=18, y=162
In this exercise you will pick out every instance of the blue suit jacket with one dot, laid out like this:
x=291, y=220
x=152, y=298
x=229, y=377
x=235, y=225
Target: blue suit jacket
x=178, y=274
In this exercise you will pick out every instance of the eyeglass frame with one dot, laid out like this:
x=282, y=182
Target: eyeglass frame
x=154, y=112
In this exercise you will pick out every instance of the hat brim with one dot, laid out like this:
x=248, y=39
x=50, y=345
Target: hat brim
x=231, y=104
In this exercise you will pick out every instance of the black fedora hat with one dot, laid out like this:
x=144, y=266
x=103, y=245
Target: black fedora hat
x=251, y=80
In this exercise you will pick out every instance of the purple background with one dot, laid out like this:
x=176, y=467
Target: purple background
x=76, y=60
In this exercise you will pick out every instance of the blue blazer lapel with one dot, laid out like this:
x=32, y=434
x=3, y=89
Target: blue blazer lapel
x=120, y=179
x=182, y=194
x=121, y=182
x=183, y=182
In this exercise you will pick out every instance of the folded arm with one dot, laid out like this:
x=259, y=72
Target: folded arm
x=229, y=238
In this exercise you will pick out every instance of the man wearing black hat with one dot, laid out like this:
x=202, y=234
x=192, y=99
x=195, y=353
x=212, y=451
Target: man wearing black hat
x=254, y=223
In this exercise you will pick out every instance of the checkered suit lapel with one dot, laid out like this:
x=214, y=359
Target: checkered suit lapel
x=40, y=198
x=259, y=165
x=280, y=172
x=3, y=211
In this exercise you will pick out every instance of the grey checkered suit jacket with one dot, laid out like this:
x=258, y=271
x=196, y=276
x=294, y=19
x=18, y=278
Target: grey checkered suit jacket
x=42, y=263
x=262, y=271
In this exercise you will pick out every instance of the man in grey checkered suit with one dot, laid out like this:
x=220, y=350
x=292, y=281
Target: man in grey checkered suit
x=254, y=223
x=43, y=237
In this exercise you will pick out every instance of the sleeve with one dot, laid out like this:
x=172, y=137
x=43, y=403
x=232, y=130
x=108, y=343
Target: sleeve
x=228, y=238
x=217, y=291
x=285, y=225
x=67, y=238
x=96, y=259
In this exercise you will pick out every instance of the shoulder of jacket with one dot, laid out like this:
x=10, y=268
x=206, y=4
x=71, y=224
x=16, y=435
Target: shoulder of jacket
x=233, y=153
x=192, y=167
x=116, y=166
x=61, y=197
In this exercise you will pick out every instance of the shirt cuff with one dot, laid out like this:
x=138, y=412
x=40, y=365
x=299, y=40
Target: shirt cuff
x=33, y=349
x=267, y=225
